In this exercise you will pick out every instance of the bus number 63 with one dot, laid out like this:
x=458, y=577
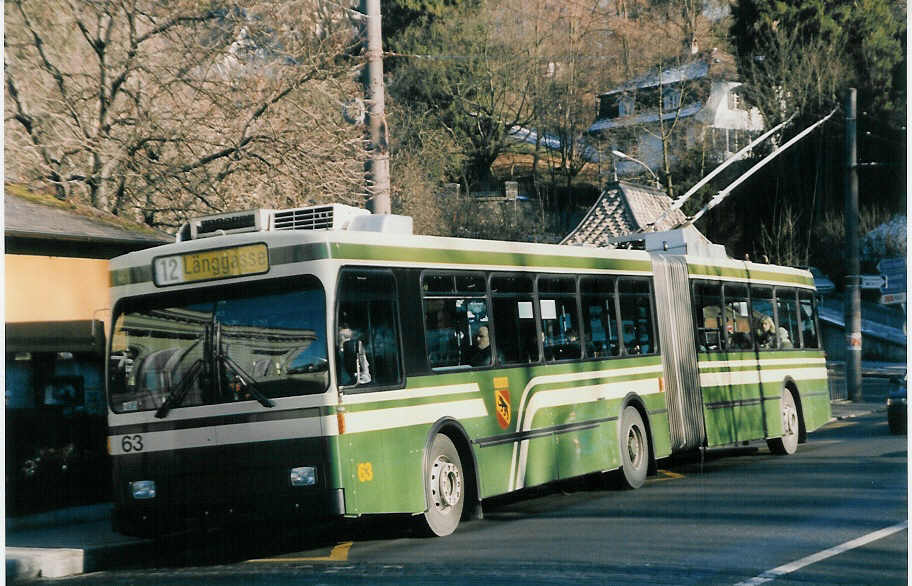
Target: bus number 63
x=131, y=443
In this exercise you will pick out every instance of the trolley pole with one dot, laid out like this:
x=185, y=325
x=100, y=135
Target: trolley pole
x=853, y=279
x=379, y=178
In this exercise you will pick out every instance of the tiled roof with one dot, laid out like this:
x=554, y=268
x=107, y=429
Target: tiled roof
x=621, y=209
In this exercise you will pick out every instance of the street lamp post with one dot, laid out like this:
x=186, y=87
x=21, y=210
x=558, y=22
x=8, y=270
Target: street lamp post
x=655, y=177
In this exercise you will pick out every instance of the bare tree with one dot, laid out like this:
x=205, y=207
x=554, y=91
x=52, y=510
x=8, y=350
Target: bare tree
x=570, y=83
x=780, y=239
x=156, y=110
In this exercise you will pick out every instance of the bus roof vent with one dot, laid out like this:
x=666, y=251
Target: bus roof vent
x=221, y=224
x=329, y=217
x=325, y=217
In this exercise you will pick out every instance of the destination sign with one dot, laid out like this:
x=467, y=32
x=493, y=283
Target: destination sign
x=206, y=265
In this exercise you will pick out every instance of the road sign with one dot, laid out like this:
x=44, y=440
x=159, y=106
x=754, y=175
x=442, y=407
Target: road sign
x=891, y=298
x=894, y=271
x=873, y=281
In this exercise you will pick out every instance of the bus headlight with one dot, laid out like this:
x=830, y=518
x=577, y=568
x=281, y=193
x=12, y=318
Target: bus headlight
x=303, y=476
x=143, y=489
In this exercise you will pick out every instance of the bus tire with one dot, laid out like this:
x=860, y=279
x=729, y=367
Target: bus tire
x=444, y=487
x=791, y=427
x=633, y=443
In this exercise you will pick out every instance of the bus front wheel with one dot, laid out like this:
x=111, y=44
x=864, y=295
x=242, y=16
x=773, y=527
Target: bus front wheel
x=788, y=443
x=634, y=447
x=444, y=487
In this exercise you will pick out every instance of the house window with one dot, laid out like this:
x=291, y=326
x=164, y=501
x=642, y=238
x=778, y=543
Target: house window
x=734, y=100
x=735, y=140
x=671, y=99
x=625, y=105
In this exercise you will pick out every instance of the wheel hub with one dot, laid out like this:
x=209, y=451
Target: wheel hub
x=634, y=446
x=789, y=420
x=446, y=483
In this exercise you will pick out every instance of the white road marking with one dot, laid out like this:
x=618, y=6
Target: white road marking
x=822, y=555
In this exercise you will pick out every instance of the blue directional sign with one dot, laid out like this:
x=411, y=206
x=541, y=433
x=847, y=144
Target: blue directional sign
x=894, y=273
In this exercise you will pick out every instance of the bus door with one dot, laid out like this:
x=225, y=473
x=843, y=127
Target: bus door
x=716, y=326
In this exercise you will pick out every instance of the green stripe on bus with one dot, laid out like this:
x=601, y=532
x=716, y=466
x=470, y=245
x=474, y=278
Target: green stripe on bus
x=602, y=380
x=755, y=368
x=444, y=398
x=374, y=252
x=408, y=402
x=530, y=371
x=717, y=271
x=809, y=354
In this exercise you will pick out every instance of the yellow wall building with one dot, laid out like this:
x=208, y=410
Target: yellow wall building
x=56, y=310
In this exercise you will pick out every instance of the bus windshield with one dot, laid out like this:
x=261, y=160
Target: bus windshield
x=219, y=345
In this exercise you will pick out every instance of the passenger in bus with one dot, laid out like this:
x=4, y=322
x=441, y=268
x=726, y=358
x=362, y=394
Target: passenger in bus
x=783, y=338
x=765, y=332
x=480, y=352
x=353, y=357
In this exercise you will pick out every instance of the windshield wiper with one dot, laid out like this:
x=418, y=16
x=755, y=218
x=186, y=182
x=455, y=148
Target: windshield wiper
x=176, y=396
x=248, y=381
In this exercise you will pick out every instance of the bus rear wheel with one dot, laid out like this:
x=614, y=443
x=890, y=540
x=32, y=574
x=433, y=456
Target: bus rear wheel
x=444, y=487
x=634, y=446
x=788, y=443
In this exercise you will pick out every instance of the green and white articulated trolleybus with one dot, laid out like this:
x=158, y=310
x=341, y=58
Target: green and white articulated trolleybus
x=325, y=362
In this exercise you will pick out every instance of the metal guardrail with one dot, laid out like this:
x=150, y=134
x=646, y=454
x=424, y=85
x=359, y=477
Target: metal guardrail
x=878, y=379
x=836, y=380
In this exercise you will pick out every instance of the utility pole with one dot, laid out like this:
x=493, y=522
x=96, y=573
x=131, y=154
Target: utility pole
x=379, y=179
x=853, y=279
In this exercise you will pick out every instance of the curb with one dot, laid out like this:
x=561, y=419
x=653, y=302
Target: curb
x=859, y=413
x=29, y=563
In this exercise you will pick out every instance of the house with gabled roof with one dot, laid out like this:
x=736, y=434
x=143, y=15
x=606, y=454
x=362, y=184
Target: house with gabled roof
x=699, y=97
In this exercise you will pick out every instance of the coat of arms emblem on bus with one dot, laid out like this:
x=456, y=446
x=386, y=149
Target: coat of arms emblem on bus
x=502, y=401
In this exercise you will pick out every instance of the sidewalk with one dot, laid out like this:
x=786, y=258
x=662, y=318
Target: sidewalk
x=80, y=540
x=843, y=409
x=66, y=542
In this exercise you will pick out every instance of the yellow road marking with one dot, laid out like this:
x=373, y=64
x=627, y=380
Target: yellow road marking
x=838, y=424
x=667, y=475
x=338, y=554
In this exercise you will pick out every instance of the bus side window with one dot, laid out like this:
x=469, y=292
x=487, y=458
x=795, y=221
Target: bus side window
x=455, y=315
x=708, y=306
x=763, y=318
x=367, y=342
x=737, y=318
x=634, y=298
x=809, y=337
x=600, y=316
x=559, y=318
x=787, y=311
x=516, y=336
